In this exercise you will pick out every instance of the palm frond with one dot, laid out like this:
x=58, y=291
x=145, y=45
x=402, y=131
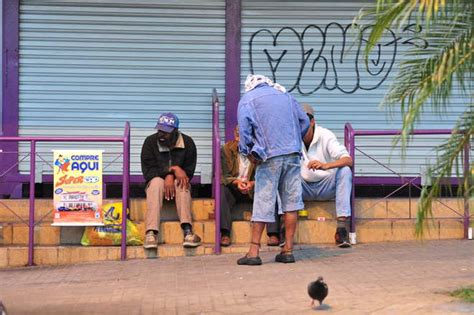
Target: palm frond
x=429, y=77
x=450, y=155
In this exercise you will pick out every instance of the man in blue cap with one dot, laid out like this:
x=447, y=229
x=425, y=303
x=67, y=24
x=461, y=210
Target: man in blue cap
x=168, y=160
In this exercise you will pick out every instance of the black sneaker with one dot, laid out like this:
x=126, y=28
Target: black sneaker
x=342, y=238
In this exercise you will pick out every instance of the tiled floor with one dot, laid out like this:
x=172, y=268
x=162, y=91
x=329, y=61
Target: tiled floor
x=392, y=278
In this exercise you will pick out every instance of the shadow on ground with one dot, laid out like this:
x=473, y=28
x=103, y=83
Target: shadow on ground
x=312, y=253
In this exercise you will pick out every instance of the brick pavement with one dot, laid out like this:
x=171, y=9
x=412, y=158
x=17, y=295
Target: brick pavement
x=392, y=278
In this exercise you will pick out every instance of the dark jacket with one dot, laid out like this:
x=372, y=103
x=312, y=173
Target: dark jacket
x=156, y=162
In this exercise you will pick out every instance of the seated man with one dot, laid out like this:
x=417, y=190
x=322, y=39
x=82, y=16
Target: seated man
x=237, y=183
x=326, y=173
x=168, y=160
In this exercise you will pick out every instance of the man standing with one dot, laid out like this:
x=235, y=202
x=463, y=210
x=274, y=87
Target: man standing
x=326, y=173
x=271, y=126
x=168, y=160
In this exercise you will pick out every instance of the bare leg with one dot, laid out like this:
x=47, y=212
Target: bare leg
x=257, y=230
x=291, y=219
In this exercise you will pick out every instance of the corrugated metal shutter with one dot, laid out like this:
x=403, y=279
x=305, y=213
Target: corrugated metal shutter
x=272, y=38
x=86, y=67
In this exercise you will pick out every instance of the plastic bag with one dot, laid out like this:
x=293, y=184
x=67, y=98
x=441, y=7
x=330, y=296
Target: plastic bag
x=111, y=232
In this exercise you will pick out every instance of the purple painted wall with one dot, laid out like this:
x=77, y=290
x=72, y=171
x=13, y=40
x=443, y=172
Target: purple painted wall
x=232, y=64
x=10, y=74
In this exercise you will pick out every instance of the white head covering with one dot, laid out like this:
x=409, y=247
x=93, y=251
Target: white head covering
x=253, y=80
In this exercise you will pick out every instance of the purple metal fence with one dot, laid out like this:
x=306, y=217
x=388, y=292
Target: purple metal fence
x=125, y=177
x=349, y=141
x=216, y=162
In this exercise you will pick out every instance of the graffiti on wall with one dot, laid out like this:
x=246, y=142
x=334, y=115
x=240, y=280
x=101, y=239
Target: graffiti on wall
x=330, y=58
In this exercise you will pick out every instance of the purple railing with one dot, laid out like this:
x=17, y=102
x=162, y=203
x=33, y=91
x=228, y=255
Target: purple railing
x=216, y=177
x=125, y=179
x=349, y=141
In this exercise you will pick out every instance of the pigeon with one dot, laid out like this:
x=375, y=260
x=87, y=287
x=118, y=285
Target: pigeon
x=3, y=310
x=318, y=290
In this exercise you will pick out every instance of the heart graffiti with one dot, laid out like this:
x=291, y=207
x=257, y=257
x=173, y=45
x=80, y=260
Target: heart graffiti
x=330, y=58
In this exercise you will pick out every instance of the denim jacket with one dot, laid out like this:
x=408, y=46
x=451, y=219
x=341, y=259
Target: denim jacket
x=271, y=123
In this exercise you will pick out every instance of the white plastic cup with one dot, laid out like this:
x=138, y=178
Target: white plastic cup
x=352, y=238
x=469, y=233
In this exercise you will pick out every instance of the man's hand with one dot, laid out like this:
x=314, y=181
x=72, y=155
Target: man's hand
x=317, y=165
x=249, y=187
x=169, y=187
x=242, y=186
x=181, y=177
x=239, y=183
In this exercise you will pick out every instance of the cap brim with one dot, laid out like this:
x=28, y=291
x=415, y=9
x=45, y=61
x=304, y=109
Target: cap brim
x=164, y=128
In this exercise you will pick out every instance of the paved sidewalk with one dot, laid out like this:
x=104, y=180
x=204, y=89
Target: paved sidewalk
x=391, y=278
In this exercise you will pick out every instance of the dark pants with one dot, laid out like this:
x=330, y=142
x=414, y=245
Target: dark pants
x=230, y=195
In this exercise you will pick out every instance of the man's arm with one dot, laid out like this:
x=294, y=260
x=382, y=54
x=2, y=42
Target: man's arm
x=245, y=130
x=337, y=152
x=183, y=173
x=317, y=165
x=226, y=157
x=189, y=165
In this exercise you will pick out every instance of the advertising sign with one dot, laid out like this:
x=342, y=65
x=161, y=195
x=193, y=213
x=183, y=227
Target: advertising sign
x=77, y=187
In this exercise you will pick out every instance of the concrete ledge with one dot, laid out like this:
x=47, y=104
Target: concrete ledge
x=202, y=209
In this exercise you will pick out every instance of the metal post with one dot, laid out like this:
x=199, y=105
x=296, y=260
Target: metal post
x=216, y=147
x=31, y=223
x=233, y=27
x=125, y=190
x=467, y=181
x=350, y=145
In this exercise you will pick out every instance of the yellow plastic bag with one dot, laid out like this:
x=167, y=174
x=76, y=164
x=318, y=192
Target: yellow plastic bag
x=111, y=232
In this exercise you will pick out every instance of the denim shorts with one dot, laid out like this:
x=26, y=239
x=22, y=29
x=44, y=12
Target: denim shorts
x=277, y=181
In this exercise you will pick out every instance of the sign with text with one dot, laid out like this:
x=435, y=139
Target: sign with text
x=77, y=187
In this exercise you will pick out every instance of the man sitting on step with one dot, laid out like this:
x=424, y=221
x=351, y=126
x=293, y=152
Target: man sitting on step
x=326, y=173
x=237, y=183
x=168, y=160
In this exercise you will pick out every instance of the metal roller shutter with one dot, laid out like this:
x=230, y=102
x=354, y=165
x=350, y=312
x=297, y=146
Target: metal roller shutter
x=86, y=67
x=278, y=36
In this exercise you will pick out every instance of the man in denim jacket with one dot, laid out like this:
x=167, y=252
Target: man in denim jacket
x=271, y=126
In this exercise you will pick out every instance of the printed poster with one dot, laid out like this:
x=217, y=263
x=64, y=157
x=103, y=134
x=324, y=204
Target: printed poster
x=77, y=187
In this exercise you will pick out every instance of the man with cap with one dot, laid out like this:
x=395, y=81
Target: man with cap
x=271, y=126
x=326, y=173
x=168, y=160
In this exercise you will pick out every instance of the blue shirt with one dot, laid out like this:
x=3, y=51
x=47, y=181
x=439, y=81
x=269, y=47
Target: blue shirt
x=271, y=123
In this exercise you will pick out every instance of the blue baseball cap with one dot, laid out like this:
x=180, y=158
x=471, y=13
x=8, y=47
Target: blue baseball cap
x=167, y=122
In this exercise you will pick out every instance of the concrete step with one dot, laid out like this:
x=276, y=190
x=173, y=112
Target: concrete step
x=14, y=210
x=309, y=232
x=17, y=256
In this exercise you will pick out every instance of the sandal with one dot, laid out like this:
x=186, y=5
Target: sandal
x=250, y=261
x=225, y=240
x=285, y=257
